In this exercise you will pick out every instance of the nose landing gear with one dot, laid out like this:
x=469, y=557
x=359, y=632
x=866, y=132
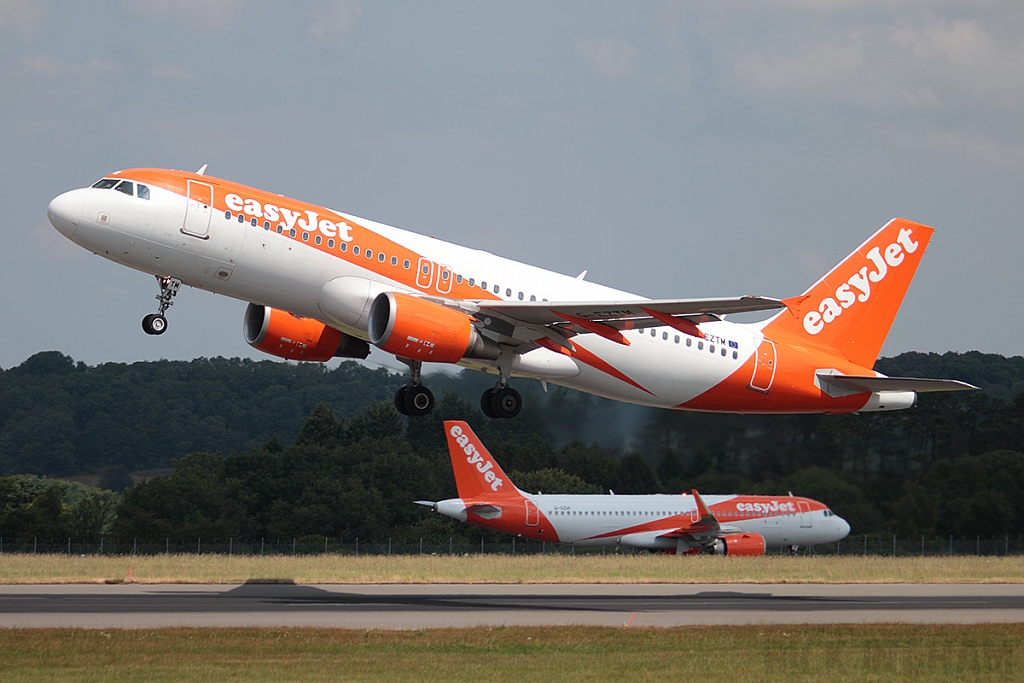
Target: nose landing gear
x=156, y=323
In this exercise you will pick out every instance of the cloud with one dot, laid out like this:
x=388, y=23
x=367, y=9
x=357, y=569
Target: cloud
x=171, y=71
x=19, y=14
x=610, y=57
x=52, y=68
x=809, y=66
x=982, y=149
x=203, y=11
x=333, y=20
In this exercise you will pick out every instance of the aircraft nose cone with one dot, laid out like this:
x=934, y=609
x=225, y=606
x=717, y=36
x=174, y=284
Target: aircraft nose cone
x=65, y=211
x=843, y=527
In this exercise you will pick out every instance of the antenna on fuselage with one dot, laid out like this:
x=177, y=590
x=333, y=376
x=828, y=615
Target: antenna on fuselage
x=202, y=169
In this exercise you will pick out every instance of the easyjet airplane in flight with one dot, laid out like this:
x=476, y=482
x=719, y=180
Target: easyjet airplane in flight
x=322, y=283
x=681, y=524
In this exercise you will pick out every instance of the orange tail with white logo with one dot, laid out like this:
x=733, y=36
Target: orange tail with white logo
x=476, y=472
x=852, y=308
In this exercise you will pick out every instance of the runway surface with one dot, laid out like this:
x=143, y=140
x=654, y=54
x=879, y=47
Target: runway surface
x=436, y=606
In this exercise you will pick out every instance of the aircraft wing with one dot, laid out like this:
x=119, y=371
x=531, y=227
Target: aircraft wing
x=704, y=526
x=524, y=321
x=872, y=384
x=618, y=313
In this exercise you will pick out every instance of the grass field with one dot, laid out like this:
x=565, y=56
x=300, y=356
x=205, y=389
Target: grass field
x=708, y=654
x=621, y=568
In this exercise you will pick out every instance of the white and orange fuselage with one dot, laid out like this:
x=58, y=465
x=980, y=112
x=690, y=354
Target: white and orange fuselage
x=683, y=524
x=347, y=278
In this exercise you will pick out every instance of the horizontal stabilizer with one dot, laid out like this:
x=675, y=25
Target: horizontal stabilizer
x=873, y=384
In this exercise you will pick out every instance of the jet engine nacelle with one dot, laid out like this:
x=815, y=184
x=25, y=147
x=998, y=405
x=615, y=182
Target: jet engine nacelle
x=286, y=335
x=410, y=327
x=739, y=544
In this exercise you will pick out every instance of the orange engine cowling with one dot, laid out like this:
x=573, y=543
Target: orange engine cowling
x=286, y=335
x=740, y=544
x=414, y=328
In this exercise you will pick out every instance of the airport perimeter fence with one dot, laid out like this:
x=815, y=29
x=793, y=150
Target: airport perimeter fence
x=874, y=545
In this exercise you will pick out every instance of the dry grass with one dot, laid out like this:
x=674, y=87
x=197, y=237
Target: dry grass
x=344, y=569
x=734, y=654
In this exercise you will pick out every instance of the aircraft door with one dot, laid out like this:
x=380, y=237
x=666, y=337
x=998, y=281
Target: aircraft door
x=532, y=513
x=424, y=273
x=198, y=209
x=764, y=367
x=806, y=521
x=444, y=280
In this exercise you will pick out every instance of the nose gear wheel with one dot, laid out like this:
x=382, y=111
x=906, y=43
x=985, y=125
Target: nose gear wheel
x=156, y=323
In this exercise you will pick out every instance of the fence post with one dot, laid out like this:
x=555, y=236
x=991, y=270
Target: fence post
x=922, y=545
x=261, y=545
x=481, y=546
x=513, y=546
x=231, y=543
x=951, y=544
x=389, y=546
x=325, y=545
x=69, y=546
x=167, y=546
x=894, y=545
x=357, y=546
x=421, y=545
x=199, y=546
x=293, y=545
x=35, y=545
x=978, y=550
x=1007, y=552
x=865, y=545
x=450, y=545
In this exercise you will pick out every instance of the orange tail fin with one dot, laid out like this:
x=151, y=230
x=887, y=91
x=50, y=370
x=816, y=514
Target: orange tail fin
x=476, y=473
x=852, y=308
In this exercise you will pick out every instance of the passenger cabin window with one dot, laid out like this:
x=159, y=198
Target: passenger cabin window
x=143, y=192
x=127, y=187
x=105, y=184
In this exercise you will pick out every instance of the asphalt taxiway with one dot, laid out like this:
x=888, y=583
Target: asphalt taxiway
x=437, y=606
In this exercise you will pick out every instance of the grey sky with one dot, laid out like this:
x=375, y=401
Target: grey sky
x=671, y=148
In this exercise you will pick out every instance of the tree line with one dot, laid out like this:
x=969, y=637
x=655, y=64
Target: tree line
x=279, y=450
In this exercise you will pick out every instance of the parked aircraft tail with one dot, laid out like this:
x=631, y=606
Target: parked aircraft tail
x=852, y=308
x=476, y=472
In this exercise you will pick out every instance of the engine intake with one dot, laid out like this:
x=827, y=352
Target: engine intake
x=414, y=328
x=286, y=335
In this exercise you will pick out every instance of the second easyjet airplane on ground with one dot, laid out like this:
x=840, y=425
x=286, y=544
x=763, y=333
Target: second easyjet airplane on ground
x=682, y=524
x=322, y=284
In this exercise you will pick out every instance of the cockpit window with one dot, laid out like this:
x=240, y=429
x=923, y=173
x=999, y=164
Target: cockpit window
x=105, y=184
x=127, y=187
x=143, y=192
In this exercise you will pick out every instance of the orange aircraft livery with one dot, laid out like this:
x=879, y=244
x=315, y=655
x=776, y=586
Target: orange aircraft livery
x=682, y=524
x=323, y=284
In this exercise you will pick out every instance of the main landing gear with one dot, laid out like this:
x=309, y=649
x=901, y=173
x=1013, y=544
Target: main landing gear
x=501, y=402
x=156, y=323
x=414, y=399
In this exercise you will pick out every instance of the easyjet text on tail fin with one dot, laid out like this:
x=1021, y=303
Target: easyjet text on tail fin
x=476, y=472
x=852, y=308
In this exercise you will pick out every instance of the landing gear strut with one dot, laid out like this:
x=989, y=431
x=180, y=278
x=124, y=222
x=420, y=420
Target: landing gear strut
x=156, y=323
x=414, y=399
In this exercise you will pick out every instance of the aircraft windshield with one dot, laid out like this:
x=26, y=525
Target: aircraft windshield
x=127, y=187
x=105, y=184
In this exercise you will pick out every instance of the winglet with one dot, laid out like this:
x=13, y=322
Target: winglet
x=701, y=507
x=201, y=170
